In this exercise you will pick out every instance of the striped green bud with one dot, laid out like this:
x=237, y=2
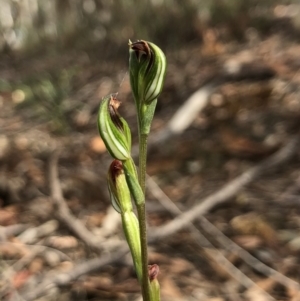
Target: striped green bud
x=147, y=68
x=153, y=271
x=113, y=129
x=118, y=188
x=121, y=201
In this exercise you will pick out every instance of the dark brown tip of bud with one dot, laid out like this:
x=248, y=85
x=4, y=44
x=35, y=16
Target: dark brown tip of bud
x=153, y=271
x=140, y=48
x=115, y=169
x=113, y=106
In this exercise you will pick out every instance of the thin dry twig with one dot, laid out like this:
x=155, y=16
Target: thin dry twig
x=12, y=230
x=35, y=250
x=228, y=191
x=62, y=211
x=31, y=235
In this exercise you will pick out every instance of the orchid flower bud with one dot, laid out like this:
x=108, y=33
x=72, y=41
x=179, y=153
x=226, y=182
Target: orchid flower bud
x=118, y=188
x=113, y=129
x=153, y=271
x=147, y=68
x=121, y=201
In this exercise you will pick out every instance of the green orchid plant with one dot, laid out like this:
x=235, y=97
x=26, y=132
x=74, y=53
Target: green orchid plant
x=147, y=68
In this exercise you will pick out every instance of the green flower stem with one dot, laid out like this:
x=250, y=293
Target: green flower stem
x=142, y=160
x=133, y=183
x=143, y=237
x=141, y=210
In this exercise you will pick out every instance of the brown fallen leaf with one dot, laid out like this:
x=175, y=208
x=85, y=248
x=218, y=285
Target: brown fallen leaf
x=254, y=224
x=62, y=242
x=242, y=146
x=296, y=297
x=95, y=219
x=12, y=250
x=169, y=289
x=9, y=215
x=254, y=294
x=20, y=278
x=36, y=265
x=248, y=242
x=180, y=265
x=97, y=145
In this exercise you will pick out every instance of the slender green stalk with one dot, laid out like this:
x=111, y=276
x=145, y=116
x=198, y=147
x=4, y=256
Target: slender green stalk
x=143, y=238
x=141, y=210
x=143, y=138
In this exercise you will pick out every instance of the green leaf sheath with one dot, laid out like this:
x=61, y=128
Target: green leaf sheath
x=132, y=233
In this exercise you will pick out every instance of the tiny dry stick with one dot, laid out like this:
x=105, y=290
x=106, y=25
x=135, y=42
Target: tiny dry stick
x=228, y=191
x=33, y=234
x=63, y=212
x=12, y=230
x=36, y=250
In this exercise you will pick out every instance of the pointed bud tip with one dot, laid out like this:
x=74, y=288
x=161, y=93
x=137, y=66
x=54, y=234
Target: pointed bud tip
x=114, y=101
x=115, y=169
x=153, y=271
x=140, y=47
x=113, y=106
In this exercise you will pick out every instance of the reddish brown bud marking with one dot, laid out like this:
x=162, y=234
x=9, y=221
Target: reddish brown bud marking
x=153, y=271
x=140, y=47
x=113, y=106
x=115, y=169
x=114, y=102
